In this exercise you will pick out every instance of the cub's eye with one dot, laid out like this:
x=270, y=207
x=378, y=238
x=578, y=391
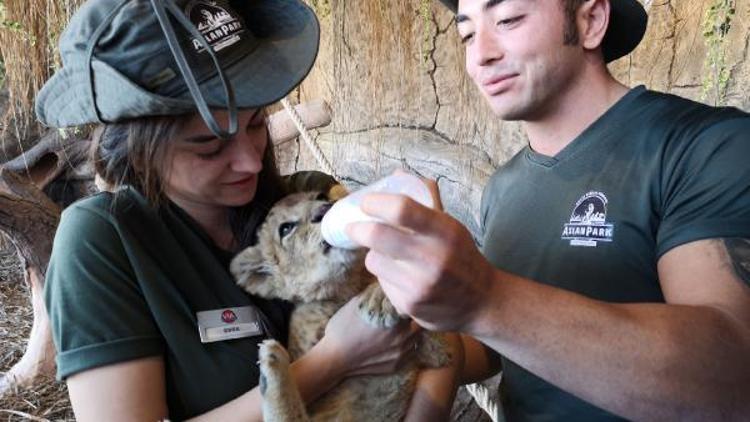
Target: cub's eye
x=286, y=228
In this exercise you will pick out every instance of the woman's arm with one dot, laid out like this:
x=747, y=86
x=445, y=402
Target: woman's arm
x=135, y=390
x=127, y=391
x=436, y=387
x=480, y=362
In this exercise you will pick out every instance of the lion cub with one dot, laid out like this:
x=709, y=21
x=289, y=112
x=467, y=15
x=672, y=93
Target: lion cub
x=292, y=261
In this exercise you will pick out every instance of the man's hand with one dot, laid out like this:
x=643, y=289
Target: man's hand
x=425, y=260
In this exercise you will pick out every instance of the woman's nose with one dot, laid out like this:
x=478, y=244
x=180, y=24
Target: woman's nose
x=247, y=157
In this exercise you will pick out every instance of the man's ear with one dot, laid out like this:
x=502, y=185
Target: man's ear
x=251, y=270
x=593, y=21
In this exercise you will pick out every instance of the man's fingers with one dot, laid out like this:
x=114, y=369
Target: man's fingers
x=432, y=186
x=402, y=211
x=435, y=192
x=385, y=239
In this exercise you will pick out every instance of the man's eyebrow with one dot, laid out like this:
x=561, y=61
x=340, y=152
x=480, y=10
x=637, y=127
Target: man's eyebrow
x=210, y=136
x=488, y=5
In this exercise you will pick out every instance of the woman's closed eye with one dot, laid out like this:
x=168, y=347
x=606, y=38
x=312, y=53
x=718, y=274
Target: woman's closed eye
x=208, y=149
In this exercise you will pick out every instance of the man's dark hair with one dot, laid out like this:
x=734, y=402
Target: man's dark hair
x=570, y=34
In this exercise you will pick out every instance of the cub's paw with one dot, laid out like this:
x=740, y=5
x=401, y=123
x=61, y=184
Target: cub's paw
x=274, y=364
x=375, y=308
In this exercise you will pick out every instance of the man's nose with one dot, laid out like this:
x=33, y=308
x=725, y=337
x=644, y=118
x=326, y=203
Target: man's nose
x=487, y=47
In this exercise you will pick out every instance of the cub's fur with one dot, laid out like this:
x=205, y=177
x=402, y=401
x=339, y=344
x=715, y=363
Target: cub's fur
x=292, y=261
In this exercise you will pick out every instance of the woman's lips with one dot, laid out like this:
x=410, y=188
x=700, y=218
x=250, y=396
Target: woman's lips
x=498, y=84
x=240, y=181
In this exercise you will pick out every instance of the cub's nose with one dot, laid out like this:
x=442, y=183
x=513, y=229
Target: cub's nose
x=320, y=212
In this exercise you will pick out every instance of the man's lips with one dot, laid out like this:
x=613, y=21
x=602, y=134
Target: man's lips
x=497, y=84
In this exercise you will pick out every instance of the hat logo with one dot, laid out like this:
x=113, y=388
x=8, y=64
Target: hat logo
x=228, y=316
x=217, y=24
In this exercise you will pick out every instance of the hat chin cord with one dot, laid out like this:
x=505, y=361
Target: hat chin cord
x=161, y=7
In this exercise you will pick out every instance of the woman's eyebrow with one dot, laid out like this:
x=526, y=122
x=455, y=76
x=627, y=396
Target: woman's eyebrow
x=209, y=136
x=200, y=138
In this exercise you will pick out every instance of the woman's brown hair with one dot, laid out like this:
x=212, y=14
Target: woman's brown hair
x=134, y=153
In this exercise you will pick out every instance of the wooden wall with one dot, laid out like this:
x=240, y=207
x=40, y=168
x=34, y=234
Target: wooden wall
x=392, y=72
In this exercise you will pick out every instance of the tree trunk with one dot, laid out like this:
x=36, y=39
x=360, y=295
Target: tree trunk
x=30, y=219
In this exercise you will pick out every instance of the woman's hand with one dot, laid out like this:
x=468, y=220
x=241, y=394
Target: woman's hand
x=436, y=387
x=358, y=347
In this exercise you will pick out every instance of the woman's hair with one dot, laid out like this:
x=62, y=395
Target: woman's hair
x=134, y=153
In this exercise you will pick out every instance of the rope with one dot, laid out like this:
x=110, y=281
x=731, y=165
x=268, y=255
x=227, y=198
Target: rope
x=487, y=401
x=314, y=148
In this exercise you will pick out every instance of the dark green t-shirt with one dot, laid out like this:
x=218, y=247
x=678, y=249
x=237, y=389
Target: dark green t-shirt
x=125, y=282
x=656, y=171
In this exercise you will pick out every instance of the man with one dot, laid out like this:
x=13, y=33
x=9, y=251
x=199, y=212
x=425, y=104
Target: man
x=641, y=310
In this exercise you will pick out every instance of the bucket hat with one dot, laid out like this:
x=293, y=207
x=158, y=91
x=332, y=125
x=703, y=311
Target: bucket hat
x=123, y=59
x=627, y=25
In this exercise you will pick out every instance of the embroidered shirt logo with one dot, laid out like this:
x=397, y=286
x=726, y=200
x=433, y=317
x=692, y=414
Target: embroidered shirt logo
x=588, y=224
x=219, y=27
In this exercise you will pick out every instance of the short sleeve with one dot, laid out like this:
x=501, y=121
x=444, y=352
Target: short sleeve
x=706, y=187
x=97, y=312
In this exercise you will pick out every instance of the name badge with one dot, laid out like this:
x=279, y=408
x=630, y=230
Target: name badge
x=228, y=323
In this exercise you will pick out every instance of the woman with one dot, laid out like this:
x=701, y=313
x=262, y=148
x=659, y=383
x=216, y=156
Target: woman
x=138, y=291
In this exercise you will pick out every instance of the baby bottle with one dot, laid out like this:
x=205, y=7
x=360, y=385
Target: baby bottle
x=347, y=209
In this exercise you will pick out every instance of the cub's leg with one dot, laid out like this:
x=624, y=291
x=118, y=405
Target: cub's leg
x=375, y=308
x=432, y=350
x=281, y=399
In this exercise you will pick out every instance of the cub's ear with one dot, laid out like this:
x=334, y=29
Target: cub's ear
x=336, y=192
x=251, y=270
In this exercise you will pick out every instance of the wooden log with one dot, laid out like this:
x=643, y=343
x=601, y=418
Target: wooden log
x=49, y=158
x=30, y=219
x=314, y=114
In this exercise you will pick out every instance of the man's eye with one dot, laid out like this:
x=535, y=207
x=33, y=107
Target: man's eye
x=466, y=38
x=509, y=21
x=286, y=228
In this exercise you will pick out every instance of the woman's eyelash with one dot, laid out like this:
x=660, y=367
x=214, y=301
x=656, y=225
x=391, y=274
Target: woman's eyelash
x=209, y=155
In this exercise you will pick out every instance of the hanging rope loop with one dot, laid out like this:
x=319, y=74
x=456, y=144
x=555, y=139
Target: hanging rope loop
x=323, y=162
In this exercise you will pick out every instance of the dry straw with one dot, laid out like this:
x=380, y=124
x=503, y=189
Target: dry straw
x=29, y=30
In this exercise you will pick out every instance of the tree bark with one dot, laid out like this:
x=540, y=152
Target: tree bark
x=49, y=158
x=30, y=219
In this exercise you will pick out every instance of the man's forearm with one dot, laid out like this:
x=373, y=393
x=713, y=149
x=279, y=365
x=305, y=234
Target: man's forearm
x=641, y=361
